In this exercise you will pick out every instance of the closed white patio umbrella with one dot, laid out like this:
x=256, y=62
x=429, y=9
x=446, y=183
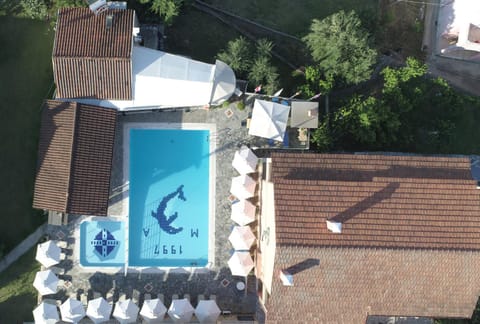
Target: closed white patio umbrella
x=99, y=310
x=243, y=212
x=245, y=161
x=207, y=311
x=181, y=311
x=72, y=311
x=46, y=282
x=45, y=314
x=48, y=254
x=269, y=120
x=241, y=238
x=126, y=311
x=243, y=187
x=240, y=263
x=153, y=311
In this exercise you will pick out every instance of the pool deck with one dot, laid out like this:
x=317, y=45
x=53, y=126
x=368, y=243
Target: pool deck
x=230, y=135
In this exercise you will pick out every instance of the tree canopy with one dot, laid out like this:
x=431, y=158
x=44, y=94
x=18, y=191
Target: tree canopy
x=167, y=9
x=340, y=47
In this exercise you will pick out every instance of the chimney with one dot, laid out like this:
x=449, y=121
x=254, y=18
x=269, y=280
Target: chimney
x=286, y=278
x=109, y=21
x=334, y=227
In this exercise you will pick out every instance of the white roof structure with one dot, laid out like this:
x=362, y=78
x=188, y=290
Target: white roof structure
x=180, y=311
x=240, y=263
x=126, y=311
x=245, y=161
x=243, y=212
x=269, y=120
x=48, y=254
x=243, y=187
x=45, y=314
x=163, y=80
x=72, y=311
x=99, y=310
x=241, y=238
x=460, y=18
x=207, y=311
x=153, y=310
x=46, y=282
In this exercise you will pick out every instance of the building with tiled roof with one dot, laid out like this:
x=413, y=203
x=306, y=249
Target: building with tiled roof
x=346, y=236
x=98, y=60
x=92, y=54
x=74, y=158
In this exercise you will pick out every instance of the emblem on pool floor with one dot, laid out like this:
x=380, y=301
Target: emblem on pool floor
x=163, y=220
x=104, y=243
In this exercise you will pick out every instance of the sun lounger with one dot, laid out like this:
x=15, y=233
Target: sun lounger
x=147, y=297
x=63, y=256
x=186, y=296
x=162, y=299
x=135, y=296
x=213, y=297
x=201, y=297
x=96, y=295
x=174, y=296
x=122, y=297
x=58, y=271
x=110, y=297
x=84, y=299
x=62, y=244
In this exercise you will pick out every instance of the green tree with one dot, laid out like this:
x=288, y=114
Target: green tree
x=36, y=9
x=340, y=48
x=264, y=73
x=167, y=9
x=237, y=55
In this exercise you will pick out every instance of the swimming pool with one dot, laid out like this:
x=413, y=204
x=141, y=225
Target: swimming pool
x=169, y=203
x=102, y=243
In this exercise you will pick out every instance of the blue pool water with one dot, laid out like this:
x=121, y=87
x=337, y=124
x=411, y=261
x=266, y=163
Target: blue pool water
x=102, y=244
x=169, y=197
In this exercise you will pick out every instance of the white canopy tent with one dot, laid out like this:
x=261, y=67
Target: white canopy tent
x=245, y=161
x=269, y=120
x=48, y=254
x=207, y=311
x=46, y=282
x=45, y=314
x=240, y=263
x=241, y=238
x=243, y=187
x=99, y=310
x=153, y=311
x=180, y=311
x=243, y=212
x=72, y=311
x=163, y=80
x=126, y=311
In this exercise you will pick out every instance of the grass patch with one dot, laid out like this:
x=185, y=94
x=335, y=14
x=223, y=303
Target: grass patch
x=18, y=297
x=25, y=62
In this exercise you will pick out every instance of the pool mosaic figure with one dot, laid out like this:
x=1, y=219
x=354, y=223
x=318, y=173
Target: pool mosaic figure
x=104, y=243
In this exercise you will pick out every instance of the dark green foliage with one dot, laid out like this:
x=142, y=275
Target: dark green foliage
x=340, y=48
x=36, y=9
x=254, y=64
x=167, y=9
x=412, y=113
x=237, y=55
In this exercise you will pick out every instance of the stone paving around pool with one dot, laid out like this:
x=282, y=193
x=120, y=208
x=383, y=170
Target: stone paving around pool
x=216, y=281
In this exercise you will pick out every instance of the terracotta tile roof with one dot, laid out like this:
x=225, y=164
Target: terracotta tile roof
x=344, y=285
x=89, y=60
x=381, y=201
x=74, y=158
x=81, y=33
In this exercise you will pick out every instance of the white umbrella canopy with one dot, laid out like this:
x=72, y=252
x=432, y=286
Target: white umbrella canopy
x=243, y=212
x=241, y=238
x=180, y=311
x=48, y=254
x=153, y=311
x=240, y=263
x=243, y=187
x=245, y=161
x=45, y=314
x=269, y=120
x=72, y=311
x=126, y=311
x=207, y=311
x=99, y=310
x=46, y=282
